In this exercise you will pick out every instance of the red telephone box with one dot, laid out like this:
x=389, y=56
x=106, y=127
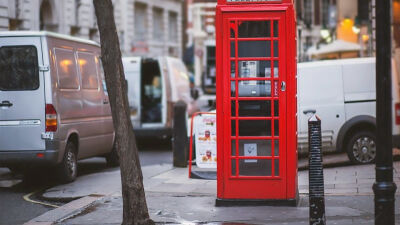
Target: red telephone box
x=256, y=102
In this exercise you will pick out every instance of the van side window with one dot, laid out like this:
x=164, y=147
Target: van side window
x=101, y=72
x=88, y=70
x=66, y=69
x=19, y=68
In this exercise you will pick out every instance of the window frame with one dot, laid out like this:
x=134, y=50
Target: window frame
x=90, y=54
x=58, y=72
x=158, y=17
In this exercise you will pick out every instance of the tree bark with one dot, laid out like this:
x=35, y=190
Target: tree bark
x=135, y=209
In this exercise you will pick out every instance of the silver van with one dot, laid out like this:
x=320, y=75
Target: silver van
x=54, y=107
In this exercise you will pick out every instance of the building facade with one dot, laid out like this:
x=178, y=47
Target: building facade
x=200, y=30
x=310, y=23
x=323, y=21
x=145, y=27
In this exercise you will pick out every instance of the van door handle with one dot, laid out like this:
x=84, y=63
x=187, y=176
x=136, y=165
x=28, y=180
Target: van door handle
x=307, y=111
x=105, y=101
x=6, y=104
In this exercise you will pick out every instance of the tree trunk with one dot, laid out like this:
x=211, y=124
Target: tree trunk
x=134, y=201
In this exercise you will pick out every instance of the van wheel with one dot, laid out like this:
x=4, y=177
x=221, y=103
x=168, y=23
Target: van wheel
x=112, y=158
x=361, y=148
x=68, y=169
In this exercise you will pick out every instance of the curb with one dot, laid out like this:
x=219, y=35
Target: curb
x=64, y=212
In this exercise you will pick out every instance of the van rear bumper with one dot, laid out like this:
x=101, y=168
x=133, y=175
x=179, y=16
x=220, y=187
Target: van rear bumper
x=42, y=157
x=396, y=141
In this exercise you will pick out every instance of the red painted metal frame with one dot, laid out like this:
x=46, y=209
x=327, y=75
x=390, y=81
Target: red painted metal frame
x=191, y=138
x=236, y=79
x=288, y=67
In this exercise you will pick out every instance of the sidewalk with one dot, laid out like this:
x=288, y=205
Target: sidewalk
x=173, y=198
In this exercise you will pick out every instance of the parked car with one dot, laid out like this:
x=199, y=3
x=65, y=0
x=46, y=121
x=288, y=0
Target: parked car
x=154, y=86
x=54, y=108
x=342, y=93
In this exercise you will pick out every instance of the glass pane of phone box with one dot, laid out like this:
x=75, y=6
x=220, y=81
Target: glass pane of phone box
x=252, y=167
x=260, y=147
x=254, y=88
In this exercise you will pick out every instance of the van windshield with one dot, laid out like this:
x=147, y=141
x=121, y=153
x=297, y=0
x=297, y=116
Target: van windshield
x=19, y=68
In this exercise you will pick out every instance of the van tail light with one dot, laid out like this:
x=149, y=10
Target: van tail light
x=397, y=113
x=51, y=118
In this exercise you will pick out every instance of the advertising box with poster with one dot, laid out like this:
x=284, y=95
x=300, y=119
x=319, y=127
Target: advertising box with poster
x=206, y=141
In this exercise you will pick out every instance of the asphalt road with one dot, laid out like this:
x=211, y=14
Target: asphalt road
x=14, y=210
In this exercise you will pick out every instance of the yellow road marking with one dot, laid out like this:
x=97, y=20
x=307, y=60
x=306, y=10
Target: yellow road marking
x=27, y=198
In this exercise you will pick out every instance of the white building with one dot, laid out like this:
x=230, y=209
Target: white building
x=145, y=27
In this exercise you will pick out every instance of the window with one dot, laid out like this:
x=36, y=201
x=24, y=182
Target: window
x=140, y=22
x=325, y=13
x=250, y=29
x=363, y=11
x=158, y=33
x=99, y=65
x=317, y=15
x=308, y=12
x=173, y=26
x=66, y=69
x=19, y=68
x=88, y=70
x=299, y=9
x=254, y=102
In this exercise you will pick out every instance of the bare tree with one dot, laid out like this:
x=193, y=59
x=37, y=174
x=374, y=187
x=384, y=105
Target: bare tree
x=134, y=201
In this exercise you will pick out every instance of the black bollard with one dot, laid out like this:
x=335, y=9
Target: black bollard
x=179, y=138
x=315, y=173
x=384, y=187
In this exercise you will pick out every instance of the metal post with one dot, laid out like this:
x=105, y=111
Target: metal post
x=384, y=188
x=315, y=173
x=179, y=141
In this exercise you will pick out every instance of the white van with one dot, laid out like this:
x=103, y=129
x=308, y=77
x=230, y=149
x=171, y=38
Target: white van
x=342, y=93
x=54, y=108
x=154, y=86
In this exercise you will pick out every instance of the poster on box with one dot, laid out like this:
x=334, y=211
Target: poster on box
x=206, y=141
